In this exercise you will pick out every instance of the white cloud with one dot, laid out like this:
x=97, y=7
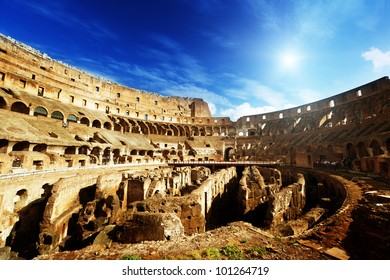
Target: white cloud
x=245, y=109
x=379, y=59
x=213, y=108
x=250, y=90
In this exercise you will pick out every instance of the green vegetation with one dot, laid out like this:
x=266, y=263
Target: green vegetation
x=132, y=258
x=211, y=254
x=258, y=252
x=232, y=252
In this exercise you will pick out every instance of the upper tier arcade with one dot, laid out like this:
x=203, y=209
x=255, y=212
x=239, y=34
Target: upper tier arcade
x=37, y=74
x=352, y=106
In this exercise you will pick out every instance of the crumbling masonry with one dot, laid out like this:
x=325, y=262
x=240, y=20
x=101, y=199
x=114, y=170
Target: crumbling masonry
x=83, y=159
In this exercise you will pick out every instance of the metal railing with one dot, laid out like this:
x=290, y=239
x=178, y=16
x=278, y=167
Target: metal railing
x=232, y=163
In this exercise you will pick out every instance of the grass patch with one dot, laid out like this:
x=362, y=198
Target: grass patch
x=132, y=258
x=232, y=252
x=257, y=252
x=211, y=254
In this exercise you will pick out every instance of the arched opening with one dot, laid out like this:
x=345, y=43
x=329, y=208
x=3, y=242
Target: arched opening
x=175, y=130
x=3, y=145
x=40, y=111
x=40, y=148
x=362, y=150
x=96, y=124
x=72, y=118
x=232, y=131
x=3, y=104
x=83, y=150
x=20, y=107
x=181, y=131
x=117, y=127
x=194, y=131
x=351, y=151
x=117, y=156
x=95, y=153
x=106, y=155
x=70, y=151
x=20, y=199
x=144, y=128
x=107, y=125
x=123, y=123
x=21, y=146
x=229, y=154
x=85, y=120
x=152, y=128
x=376, y=148
x=57, y=115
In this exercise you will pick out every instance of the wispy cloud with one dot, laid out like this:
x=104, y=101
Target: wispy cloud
x=314, y=19
x=220, y=40
x=249, y=90
x=379, y=59
x=165, y=41
x=245, y=109
x=54, y=11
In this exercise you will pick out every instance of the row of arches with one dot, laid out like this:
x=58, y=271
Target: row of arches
x=127, y=124
x=344, y=114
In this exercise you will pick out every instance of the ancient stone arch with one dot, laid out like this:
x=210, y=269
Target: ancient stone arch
x=71, y=118
x=40, y=111
x=57, y=115
x=229, y=153
x=362, y=150
x=143, y=127
x=70, y=150
x=83, y=150
x=3, y=103
x=351, y=151
x=85, y=120
x=21, y=146
x=20, y=107
x=107, y=125
x=376, y=148
x=40, y=148
x=97, y=124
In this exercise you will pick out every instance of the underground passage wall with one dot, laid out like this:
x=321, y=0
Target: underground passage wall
x=79, y=128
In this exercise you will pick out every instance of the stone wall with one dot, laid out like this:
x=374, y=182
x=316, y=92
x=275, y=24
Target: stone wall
x=192, y=209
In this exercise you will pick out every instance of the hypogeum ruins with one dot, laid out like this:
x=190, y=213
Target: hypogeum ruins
x=83, y=159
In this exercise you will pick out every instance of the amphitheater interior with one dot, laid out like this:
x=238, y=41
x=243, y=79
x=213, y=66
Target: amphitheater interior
x=86, y=161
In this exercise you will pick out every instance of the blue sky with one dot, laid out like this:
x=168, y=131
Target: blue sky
x=241, y=56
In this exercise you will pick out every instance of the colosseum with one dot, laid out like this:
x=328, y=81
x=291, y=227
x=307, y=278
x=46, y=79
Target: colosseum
x=89, y=163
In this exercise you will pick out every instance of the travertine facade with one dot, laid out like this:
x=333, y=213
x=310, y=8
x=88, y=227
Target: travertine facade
x=79, y=153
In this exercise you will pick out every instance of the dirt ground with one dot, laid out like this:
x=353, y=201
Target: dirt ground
x=334, y=238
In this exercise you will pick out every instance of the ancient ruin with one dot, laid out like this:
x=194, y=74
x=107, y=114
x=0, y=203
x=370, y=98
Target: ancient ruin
x=87, y=161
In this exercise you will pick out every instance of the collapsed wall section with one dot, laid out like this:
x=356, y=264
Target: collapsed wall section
x=192, y=210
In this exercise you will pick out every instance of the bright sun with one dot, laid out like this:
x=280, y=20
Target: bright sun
x=289, y=60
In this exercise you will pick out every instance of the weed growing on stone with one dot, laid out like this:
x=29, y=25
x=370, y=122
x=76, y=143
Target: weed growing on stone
x=211, y=254
x=132, y=258
x=232, y=252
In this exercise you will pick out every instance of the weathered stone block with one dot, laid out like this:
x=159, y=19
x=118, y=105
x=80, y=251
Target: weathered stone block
x=151, y=226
